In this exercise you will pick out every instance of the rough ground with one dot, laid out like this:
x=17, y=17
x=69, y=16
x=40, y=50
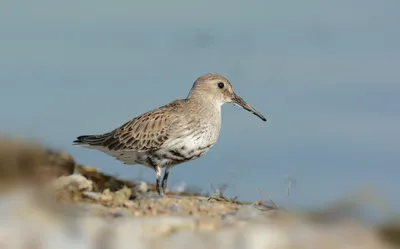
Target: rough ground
x=47, y=201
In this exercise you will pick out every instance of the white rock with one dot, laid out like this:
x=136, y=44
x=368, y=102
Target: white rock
x=92, y=195
x=142, y=187
x=75, y=181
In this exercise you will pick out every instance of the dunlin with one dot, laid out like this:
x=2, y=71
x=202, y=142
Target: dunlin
x=178, y=132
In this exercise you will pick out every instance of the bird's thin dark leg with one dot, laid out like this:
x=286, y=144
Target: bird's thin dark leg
x=165, y=179
x=159, y=189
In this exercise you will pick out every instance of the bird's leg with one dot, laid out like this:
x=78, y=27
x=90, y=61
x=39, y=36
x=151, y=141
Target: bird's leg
x=159, y=189
x=165, y=179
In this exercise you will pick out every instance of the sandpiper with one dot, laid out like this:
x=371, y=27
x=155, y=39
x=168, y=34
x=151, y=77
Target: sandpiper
x=178, y=132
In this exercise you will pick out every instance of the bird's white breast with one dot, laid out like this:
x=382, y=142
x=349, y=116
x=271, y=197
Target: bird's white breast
x=187, y=146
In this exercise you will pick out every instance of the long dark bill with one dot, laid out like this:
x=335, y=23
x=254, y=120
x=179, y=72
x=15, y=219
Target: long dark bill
x=240, y=102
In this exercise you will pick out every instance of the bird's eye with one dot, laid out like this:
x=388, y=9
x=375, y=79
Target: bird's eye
x=221, y=85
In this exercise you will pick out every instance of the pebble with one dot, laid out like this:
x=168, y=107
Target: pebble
x=119, y=214
x=122, y=195
x=130, y=204
x=92, y=195
x=73, y=182
x=142, y=187
x=106, y=196
x=175, y=207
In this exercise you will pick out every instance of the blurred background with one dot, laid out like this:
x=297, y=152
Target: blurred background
x=324, y=73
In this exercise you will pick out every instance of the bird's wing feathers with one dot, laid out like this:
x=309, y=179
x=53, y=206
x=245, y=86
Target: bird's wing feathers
x=146, y=132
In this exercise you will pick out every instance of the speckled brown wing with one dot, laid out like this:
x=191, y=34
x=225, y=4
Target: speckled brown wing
x=143, y=133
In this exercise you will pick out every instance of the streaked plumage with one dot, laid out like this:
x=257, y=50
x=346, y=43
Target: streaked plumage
x=178, y=132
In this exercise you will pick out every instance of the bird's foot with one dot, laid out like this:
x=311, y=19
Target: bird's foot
x=160, y=189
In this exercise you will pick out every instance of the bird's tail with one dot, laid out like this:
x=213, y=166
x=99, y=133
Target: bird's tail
x=91, y=140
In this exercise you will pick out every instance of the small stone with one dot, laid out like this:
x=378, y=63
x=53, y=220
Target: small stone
x=90, y=169
x=175, y=207
x=118, y=214
x=106, y=198
x=106, y=192
x=73, y=182
x=130, y=204
x=122, y=195
x=92, y=195
x=106, y=195
x=142, y=187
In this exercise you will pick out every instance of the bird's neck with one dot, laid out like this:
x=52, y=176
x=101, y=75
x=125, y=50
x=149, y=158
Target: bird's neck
x=206, y=103
x=207, y=114
x=207, y=111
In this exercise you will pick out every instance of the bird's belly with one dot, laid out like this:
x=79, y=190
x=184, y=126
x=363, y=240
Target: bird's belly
x=173, y=152
x=181, y=150
x=128, y=157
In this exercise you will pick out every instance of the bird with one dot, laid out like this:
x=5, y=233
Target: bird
x=178, y=132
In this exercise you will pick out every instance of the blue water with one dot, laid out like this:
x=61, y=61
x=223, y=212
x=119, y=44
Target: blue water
x=325, y=75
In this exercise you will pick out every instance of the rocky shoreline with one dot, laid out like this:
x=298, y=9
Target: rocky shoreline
x=49, y=201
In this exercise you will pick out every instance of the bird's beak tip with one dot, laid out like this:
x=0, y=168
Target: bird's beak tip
x=240, y=102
